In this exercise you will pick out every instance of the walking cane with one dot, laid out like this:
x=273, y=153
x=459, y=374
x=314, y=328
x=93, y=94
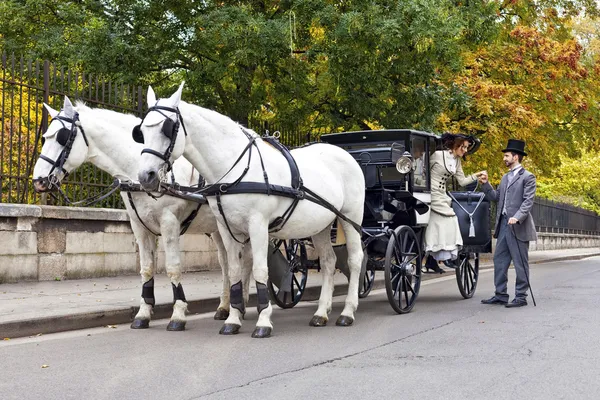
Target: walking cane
x=512, y=229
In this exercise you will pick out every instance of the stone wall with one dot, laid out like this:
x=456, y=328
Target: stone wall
x=48, y=243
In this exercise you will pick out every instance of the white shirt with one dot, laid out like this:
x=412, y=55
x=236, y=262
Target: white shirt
x=450, y=161
x=516, y=169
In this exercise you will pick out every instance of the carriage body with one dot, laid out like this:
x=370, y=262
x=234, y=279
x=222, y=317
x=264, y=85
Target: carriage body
x=392, y=198
x=396, y=211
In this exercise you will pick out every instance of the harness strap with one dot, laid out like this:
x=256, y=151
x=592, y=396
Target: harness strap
x=132, y=204
x=315, y=198
x=220, y=206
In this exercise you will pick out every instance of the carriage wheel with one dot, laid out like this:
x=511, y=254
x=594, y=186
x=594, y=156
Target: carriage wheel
x=403, y=269
x=467, y=274
x=295, y=253
x=367, y=276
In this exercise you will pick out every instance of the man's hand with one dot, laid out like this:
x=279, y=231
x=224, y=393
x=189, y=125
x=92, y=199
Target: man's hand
x=482, y=177
x=512, y=221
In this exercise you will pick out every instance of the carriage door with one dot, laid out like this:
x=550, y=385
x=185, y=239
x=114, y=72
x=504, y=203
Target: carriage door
x=420, y=176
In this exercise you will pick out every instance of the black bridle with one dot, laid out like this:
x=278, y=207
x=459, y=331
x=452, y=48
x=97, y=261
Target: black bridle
x=170, y=129
x=65, y=137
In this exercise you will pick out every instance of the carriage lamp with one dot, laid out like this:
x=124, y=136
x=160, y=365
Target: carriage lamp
x=404, y=163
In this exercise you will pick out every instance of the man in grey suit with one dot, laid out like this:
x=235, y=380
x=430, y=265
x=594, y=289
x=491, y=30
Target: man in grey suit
x=514, y=225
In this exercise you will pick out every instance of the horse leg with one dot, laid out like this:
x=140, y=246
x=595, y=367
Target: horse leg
x=322, y=243
x=170, y=228
x=259, y=240
x=246, y=271
x=147, y=248
x=223, y=309
x=233, y=323
x=355, y=258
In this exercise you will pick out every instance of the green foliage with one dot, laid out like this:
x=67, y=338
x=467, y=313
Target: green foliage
x=576, y=181
x=503, y=68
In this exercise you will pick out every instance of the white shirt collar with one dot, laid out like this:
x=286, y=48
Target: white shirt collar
x=515, y=169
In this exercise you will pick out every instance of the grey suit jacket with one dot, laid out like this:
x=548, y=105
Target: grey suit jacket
x=519, y=201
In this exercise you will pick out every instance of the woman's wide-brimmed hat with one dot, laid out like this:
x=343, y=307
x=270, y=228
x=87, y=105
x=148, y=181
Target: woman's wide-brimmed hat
x=448, y=138
x=515, y=146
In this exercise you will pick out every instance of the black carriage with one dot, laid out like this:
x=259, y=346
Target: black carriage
x=395, y=164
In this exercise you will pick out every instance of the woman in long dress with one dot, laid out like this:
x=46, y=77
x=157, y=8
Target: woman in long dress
x=442, y=237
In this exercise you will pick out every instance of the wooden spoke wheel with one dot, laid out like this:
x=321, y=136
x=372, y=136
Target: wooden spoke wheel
x=467, y=273
x=288, y=292
x=403, y=269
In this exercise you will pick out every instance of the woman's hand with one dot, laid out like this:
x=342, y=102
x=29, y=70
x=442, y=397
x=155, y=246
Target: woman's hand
x=482, y=177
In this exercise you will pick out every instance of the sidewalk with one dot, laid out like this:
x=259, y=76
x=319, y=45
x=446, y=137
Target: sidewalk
x=32, y=308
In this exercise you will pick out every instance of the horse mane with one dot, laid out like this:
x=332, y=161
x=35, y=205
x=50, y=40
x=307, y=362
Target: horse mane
x=80, y=105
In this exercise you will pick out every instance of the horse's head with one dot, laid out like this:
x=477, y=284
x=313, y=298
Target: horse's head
x=160, y=132
x=63, y=148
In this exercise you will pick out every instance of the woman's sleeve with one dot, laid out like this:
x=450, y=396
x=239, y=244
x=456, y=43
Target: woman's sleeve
x=460, y=175
x=433, y=159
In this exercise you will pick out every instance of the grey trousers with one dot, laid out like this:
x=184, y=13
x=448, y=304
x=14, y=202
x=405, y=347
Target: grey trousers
x=508, y=249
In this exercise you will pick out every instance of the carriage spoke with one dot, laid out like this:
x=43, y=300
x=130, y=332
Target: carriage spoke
x=406, y=285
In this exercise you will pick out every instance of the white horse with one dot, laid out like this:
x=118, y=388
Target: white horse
x=111, y=148
x=212, y=143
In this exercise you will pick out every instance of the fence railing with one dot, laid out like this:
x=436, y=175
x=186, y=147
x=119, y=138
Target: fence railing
x=554, y=217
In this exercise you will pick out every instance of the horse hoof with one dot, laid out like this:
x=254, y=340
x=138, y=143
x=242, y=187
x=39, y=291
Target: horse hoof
x=140, y=324
x=262, y=332
x=221, y=314
x=344, y=320
x=176, y=326
x=229, y=329
x=318, y=321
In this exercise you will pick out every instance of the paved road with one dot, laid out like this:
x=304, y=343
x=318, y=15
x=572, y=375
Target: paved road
x=446, y=348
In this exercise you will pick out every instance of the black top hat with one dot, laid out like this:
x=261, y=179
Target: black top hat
x=515, y=146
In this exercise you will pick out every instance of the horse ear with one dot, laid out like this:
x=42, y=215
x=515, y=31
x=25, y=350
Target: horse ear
x=150, y=97
x=176, y=97
x=53, y=113
x=68, y=108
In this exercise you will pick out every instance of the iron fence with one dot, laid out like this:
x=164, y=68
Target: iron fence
x=554, y=217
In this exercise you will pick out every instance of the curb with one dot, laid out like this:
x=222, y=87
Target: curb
x=62, y=323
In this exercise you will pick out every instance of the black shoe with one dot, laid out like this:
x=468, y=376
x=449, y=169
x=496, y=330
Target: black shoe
x=516, y=303
x=495, y=300
x=450, y=264
x=432, y=267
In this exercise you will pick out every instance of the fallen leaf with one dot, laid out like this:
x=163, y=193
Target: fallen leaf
x=6, y=338
x=111, y=326
x=45, y=365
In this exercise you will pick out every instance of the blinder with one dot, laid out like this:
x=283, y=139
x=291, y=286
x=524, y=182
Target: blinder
x=65, y=137
x=137, y=134
x=62, y=136
x=169, y=129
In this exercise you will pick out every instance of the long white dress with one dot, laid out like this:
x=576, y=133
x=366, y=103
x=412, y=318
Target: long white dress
x=442, y=237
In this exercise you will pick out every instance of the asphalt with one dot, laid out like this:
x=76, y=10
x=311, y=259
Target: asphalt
x=35, y=308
